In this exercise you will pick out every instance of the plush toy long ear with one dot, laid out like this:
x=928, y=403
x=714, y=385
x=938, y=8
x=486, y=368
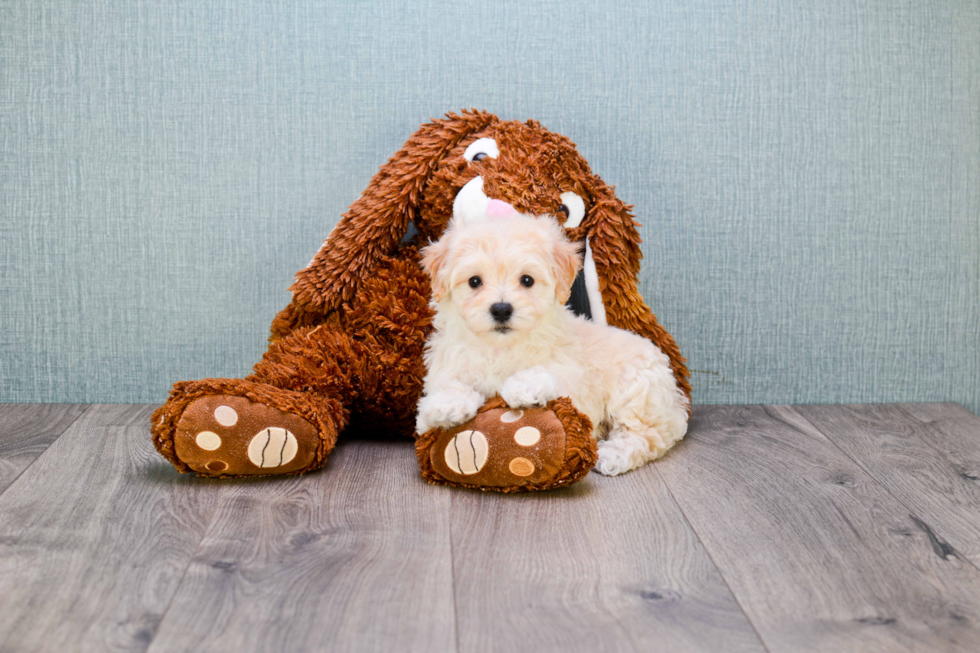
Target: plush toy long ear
x=615, y=244
x=375, y=224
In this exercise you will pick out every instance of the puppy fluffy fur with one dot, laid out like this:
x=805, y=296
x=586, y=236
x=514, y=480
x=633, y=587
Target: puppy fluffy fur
x=621, y=381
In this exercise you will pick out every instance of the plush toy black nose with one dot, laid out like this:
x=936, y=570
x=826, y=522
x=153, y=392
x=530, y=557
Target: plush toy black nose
x=501, y=311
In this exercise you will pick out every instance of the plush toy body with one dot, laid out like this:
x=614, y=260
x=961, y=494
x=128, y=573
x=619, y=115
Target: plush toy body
x=347, y=351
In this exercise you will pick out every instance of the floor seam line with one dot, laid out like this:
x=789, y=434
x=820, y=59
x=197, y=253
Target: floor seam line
x=84, y=412
x=452, y=573
x=713, y=561
x=183, y=575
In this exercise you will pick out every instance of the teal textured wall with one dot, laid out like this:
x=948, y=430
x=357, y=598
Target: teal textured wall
x=807, y=175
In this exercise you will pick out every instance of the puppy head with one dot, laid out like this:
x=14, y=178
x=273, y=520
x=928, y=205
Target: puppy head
x=502, y=277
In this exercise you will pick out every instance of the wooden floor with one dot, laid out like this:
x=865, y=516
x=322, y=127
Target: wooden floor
x=770, y=528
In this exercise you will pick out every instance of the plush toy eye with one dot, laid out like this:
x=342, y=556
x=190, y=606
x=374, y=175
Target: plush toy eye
x=573, y=207
x=480, y=149
x=475, y=282
x=527, y=281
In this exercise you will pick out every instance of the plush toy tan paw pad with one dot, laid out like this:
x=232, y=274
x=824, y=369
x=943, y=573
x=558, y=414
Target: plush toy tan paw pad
x=233, y=436
x=510, y=450
x=501, y=447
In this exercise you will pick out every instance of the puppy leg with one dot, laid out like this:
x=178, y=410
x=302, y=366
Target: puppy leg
x=534, y=386
x=447, y=406
x=623, y=451
x=647, y=414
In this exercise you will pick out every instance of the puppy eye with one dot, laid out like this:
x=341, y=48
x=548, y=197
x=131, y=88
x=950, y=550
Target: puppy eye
x=573, y=208
x=476, y=282
x=480, y=149
x=527, y=281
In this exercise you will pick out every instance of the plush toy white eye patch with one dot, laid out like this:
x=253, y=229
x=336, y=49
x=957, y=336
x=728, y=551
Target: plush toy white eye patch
x=575, y=207
x=592, y=286
x=471, y=202
x=485, y=146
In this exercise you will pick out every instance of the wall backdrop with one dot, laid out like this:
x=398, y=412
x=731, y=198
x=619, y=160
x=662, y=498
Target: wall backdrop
x=807, y=175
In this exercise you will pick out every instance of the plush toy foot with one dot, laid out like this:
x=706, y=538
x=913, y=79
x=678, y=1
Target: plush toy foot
x=508, y=450
x=231, y=427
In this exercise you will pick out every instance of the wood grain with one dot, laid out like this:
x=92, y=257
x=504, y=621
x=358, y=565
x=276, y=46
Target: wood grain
x=26, y=430
x=758, y=529
x=356, y=557
x=608, y=564
x=948, y=414
x=956, y=432
x=819, y=555
x=94, y=537
x=932, y=467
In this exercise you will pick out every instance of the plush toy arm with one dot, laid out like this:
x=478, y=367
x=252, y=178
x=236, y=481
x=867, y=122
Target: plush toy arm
x=293, y=317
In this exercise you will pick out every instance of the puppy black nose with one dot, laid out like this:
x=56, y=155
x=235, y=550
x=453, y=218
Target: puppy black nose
x=501, y=311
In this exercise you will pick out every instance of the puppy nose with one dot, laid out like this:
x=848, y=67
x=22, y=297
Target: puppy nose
x=501, y=311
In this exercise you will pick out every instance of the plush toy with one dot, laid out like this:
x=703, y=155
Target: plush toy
x=346, y=353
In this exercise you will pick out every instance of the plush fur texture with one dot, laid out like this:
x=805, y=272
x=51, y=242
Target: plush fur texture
x=351, y=339
x=499, y=289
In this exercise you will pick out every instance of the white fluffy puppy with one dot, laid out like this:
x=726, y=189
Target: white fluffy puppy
x=499, y=288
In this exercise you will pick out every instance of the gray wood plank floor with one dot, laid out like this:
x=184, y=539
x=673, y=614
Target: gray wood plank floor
x=26, y=431
x=770, y=528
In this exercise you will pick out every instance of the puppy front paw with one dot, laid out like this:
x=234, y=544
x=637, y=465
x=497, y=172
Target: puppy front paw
x=535, y=386
x=446, y=408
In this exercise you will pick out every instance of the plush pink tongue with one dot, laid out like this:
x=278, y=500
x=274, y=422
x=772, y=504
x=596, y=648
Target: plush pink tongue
x=500, y=209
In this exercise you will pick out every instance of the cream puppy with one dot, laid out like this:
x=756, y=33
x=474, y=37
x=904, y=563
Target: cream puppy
x=499, y=287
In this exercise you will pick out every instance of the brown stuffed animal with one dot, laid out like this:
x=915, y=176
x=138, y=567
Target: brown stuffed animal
x=347, y=351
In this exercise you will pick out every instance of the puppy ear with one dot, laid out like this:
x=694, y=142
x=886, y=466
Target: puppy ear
x=567, y=260
x=435, y=261
x=375, y=224
x=615, y=244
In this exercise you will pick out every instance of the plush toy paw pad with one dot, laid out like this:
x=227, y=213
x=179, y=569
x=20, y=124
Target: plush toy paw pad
x=208, y=440
x=502, y=447
x=225, y=415
x=511, y=416
x=272, y=447
x=225, y=434
x=527, y=436
x=521, y=467
x=466, y=452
